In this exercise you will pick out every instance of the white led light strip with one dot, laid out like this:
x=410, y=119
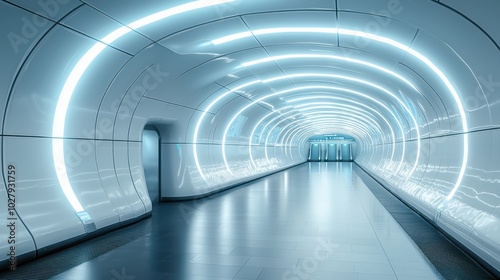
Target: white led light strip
x=326, y=127
x=328, y=97
x=318, y=97
x=385, y=40
x=323, y=88
x=326, y=124
x=75, y=76
x=257, y=125
x=401, y=103
x=293, y=56
x=402, y=132
x=224, y=138
x=329, y=124
x=317, y=105
x=312, y=122
x=342, y=112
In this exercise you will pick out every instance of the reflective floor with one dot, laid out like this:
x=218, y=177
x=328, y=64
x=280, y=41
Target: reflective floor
x=314, y=221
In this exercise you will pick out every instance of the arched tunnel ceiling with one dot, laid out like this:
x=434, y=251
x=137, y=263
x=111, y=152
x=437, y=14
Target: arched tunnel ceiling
x=191, y=36
x=258, y=53
x=385, y=72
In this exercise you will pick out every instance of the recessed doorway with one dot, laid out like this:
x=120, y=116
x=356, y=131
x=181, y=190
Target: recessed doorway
x=151, y=161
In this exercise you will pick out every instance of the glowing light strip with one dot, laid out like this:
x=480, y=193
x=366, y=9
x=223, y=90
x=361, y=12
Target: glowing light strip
x=292, y=90
x=269, y=122
x=304, y=135
x=330, y=57
x=269, y=134
x=327, y=127
x=257, y=125
x=340, y=107
x=75, y=76
x=393, y=136
x=317, y=126
x=393, y=43
x=236, y=115
x=247, y=34
x=327, y=56
x=401, y=103
x=308, y=133
x=308, y=106
x=200, y=120
x=262, y=131
x=318, y=97
x=322, y=126
x=324, y=118
x=373, y=100
x=386, y=41
x=360, y=104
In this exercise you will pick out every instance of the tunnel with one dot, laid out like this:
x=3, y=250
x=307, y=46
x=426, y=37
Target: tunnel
x=227, y=92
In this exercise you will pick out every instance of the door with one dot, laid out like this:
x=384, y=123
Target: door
x=332, y=153
x=151, y=162
x=346, y=152
x=315, y=152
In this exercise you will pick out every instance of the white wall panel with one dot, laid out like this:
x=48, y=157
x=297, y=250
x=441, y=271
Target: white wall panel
x=86, y=184
x=82, y=110
x=325, y=50
x=435, y=111
x=100, y=26
x=51, y=9
x=36, y=92
x=315, y=19
x=209, y=95
x=483, y=13
x=20, y=35
x=266, y=6
x=171, y=119
x=123, y=174
x=23, y=241
x=438, y=19
x=379, y=26
x=485, y=239
x=137, y=173
x=204, y=128
x=200, y=71
x=185, y=182
x=416, y=183
x=110, y=107
x=197, y=40
x=479, y=187
x=223, y=117
x=179, y=177
x=128, y=105
x=459, y=75
x=117, y=195
x=471, y=209
x=38, y=188
x=130, y=11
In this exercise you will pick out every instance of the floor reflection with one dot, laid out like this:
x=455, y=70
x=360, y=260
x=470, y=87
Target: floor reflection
x=317, y=220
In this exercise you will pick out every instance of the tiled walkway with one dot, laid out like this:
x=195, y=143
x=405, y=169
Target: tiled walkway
x=314, y=221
